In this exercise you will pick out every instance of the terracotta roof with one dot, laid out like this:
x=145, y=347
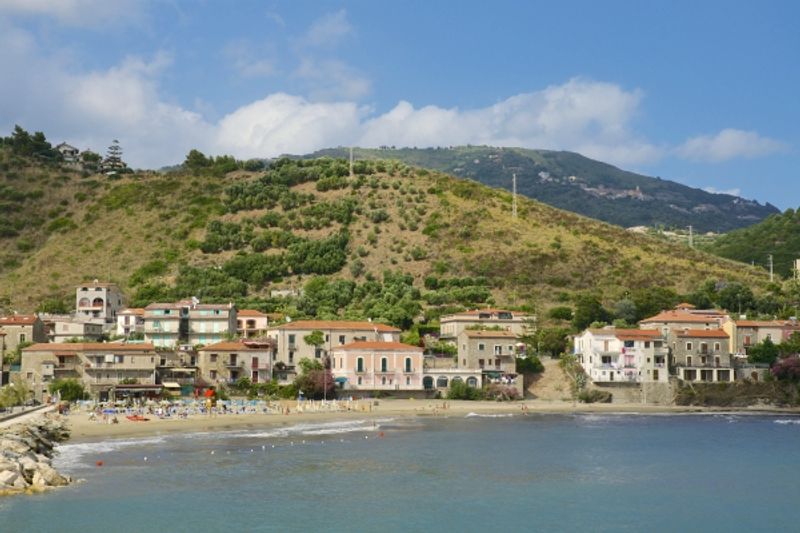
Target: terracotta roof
x=489, y=334
x=164, y=306
x=685, y=305
x=214, y=306
x=337, y=324
x=680, y=316
x=251, y=312
x=132, y=311
x=637, y=334
x=703, y=333
x=17, y=320
x=758, y=323
x=379, y=346
x=229, y=346
x=88, y=347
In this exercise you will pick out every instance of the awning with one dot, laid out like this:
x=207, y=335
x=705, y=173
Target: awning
x=171, y=385
x=183, y=370
x=340, y=380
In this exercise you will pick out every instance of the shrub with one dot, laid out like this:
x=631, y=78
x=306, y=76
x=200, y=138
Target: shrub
x=69, y=389
x=594, y=396
x=461, y=391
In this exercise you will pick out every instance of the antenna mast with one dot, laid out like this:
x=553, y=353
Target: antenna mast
x=351, y=161
x=514, y=195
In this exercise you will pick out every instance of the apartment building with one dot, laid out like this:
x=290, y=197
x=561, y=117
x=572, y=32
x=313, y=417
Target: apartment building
x=491, y=351
x=130, y=322
x=376, y=365
x=19, y=329
x=622, y=355
x=517, y=323
x=95, y=300
x=228, y=361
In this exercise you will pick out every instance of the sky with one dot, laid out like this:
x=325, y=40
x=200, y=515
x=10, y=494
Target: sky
x=702, y=93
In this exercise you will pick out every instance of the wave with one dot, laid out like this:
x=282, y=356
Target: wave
x=485, y=415
x=71, y=455
x=311, y=429
x=787, y=421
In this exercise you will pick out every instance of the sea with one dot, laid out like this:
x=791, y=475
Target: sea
x=535, y=472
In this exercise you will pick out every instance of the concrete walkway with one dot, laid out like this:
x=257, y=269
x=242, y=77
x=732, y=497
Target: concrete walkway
x=26, y=416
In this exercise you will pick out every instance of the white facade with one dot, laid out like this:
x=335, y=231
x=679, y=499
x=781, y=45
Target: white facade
x=129, y=322
x=97, y=300
x=622, y=355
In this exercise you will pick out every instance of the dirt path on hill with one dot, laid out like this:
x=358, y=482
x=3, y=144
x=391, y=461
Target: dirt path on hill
x=550, y=385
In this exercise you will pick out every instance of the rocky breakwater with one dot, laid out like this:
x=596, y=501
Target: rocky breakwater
x=26, y=452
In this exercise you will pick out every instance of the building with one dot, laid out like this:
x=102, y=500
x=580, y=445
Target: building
x=169, y=325
x=65, y=329
x=377, y=365
x=130, y=322
x=488, y=350
x=210, y=323
x=611, y=355
x=228, y=361
x=292, y=347
x=683, y=318
x=107, y=370
x=21, y=329
x=251, y=323
x=166, y=324
x=746, y=333
x=451, y=326
x=440, y=379
x=701, y=355
x=68, y=152
x=101, y=301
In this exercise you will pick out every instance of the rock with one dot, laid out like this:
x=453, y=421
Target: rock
x=50, y=476
x=8, y=478
x=11, y=445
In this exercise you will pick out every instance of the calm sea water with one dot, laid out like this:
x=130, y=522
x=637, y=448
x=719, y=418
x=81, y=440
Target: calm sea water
x=520, y=473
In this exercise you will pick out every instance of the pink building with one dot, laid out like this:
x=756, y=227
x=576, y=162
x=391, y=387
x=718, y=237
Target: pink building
x=373, y=365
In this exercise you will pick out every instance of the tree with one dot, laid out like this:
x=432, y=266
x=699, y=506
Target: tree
x=764, y=352
x=652, y=300
x=69, y=389
x=626, y=310
x=315, y=380
x=790, y=346
x=552, y=341
x=736, y=298
x=316, y=339
x=787, y=369
x=560, y=313
x=15, y=393
x=529, y=365
x=588, y=309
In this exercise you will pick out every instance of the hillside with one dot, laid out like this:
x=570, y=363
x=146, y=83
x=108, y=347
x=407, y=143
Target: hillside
x=576, y=183
x=394, y=240
x=778, y=235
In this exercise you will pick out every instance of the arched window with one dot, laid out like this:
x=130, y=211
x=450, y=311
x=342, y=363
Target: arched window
x=84, y=302
x=408, y=364
x=456, y=379
x=97, y=302
x=383, y=380
x=360, y=364
x=441, y=383
x=384, y=364
x=427, y=383
x=472, y=381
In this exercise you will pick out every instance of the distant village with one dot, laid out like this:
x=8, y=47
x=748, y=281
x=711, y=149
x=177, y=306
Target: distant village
x=183, y=348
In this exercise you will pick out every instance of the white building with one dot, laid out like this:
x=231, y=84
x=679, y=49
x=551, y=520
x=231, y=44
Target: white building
x=130, y=321
x=97, y=300
x=623, y=355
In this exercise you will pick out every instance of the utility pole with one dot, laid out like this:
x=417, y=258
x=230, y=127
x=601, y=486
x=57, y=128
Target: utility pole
x=771, y=276
x=691, y=237
x=514, y=195
x=351, y=161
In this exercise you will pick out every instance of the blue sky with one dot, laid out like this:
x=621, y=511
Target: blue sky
x=704, y=93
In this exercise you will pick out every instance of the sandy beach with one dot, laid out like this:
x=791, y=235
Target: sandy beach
x=83, y=429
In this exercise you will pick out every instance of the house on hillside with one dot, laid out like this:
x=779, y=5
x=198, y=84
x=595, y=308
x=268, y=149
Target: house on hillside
x=292, y=347
x=377, y=366
x=168, y=325
x=100, y=301
x=130, y=322
x=684, y=318
x=228, y=361
x=744, y=334
x=69, y=153
x=108, y=371
x=20, y=329
x=451, y=326
x=611, y=355
x=701, y=355
x=251, y=323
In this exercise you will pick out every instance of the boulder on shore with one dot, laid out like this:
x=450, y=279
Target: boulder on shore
x=26, y=452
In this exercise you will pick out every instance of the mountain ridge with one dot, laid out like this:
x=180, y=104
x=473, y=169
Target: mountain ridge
x=576, y=183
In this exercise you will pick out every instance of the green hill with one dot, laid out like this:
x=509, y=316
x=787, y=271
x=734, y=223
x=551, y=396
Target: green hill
x=391, y=243
x=778, y=235
x=576, y=183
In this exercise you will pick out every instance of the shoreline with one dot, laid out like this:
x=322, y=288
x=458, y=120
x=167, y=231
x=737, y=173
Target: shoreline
x=84, y=430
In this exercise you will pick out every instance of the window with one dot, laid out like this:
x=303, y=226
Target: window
x=22, y=338
x=384, y=364
x=628, y=344
x=703, y=347
x=408, y=364
x=212, y=358
x=213, y=374
x=291, y=357
x=408, y=380
x=481, y=347
x=716, y=347
x=646, y=344
x=480, y=363
x=498, y=350
x=688, y=360
x=341, y=339
x=360, y=365
x=291, y=340
x=327, y=338
x=688, y=346
x=359, y=380
x=383, y=380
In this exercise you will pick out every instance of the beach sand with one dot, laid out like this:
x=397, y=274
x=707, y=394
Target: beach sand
x=85, y=430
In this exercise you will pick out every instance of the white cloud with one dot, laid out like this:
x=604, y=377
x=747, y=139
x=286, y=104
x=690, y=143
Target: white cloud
x=80, y=13
x=332, y=80
x=728, y=144
x=733, y=192
x=328, y=30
